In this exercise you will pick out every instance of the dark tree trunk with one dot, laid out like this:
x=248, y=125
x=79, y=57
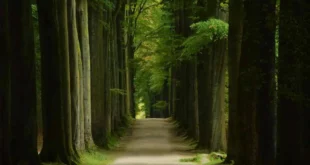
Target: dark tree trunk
x=121, y=56
x=211, y=69
x=204, y=78
x=55, y=82
x=129, y=53
x=293, y=91
x=98, y=46
x=5, y=77
x=165, y=94
x=234, y=53
x=108, y=77
x=23, y=142
x=256, y=84
x=180, y=73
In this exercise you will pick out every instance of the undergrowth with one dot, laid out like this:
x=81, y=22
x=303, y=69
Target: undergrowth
x=100, y=156
x=196, y=159
x=95, y=157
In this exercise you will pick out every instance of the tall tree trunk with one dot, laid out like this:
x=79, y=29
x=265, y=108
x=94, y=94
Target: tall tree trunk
x=256, y=84
x=82, y=9
x=234, y=53
x=23, y=84
x=293, y=91
x=116, y=61
x=98, y=73
x=55, y=82
x=204, y=78
x=75, y=75
x=121, y=57
x=211, y=69
x=218, y=137
x=108, y=77
x=129, y=54
x=5, y=90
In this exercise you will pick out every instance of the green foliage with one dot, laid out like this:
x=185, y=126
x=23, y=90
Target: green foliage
x=118, y=91
x=102, y=5
x=161, y=105
x=112, y=141
x=154, y=42
x=95, y=157
x=196, y=159
x=217, y=156
x=224, y=5
x=205, y=33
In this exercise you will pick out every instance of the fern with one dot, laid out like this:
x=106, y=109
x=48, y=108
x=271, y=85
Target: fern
x=205, y=33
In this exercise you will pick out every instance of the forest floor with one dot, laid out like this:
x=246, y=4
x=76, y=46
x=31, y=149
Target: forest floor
x=153, y=142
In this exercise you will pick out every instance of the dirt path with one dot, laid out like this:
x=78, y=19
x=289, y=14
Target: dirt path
x=152, y=142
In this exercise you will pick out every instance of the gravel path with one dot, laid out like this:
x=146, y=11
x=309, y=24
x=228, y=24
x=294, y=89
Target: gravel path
x=152, y=142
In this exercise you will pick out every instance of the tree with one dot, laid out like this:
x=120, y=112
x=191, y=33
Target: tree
x=56, y=95
x=23, y=139
x=293, y=83
x=234, y=53
x=5, y=101
x=256, y=86
x=129, y=54
x=211, y=69
x=75, y=79
x=82, y=9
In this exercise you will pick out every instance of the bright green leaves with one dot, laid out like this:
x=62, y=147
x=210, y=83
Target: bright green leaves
x=205, y=33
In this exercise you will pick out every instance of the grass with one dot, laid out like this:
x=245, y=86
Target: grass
x=196, y=159
x=216, y=158
x=113, y=141
x=98, y=156
x=95, y=157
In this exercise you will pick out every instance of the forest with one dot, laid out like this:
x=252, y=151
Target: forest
x=232, y=75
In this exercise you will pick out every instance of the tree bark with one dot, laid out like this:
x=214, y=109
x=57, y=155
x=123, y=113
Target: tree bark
x=234, y=53
x=98, y=73
x=293, y=80
x=129, y=54
x=75, y=75
x=23, y=142
x=204, y=78
x=82, y=9
x=55, y=82
x=5, y=101
x=256, y=84
x=218, y=137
